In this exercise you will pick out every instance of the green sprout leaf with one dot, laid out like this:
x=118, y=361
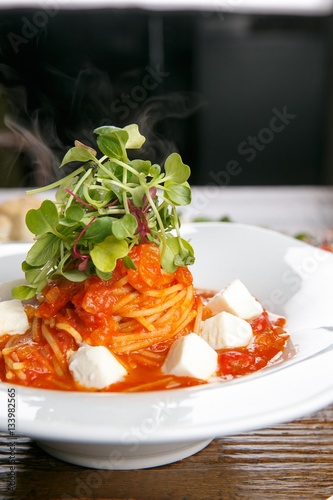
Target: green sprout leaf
x=99, y=230
x=142, y=166
x=135, y=139
x=105, y=254
x=112, y=141
x=138, y=194
x=179, y=194
x=43, y=219
x=124, y=227
x=111, y=146
x=74, y=213
x=80, y=153
x=111, y=131
x=32, y=274
x=129, y=264
x=175, y=169
x=45, y=249
x=103, y=276
x=23, y=292
x=178, y=252
x=74, y=275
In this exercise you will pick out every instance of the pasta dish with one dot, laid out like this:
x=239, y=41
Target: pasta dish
x=109, y=302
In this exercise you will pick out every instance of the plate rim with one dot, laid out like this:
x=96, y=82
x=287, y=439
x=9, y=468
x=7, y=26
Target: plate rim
x=198, y=430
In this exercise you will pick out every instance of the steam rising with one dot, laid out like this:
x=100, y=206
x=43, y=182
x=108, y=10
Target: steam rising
x=31, y=142
x=31, y=135
x=92, y=99
x=156, y=110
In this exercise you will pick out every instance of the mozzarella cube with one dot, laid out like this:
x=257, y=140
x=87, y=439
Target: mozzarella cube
x=225, y=330
x=236, y=299
x=13, y=319
x=191, y=356
x=95, y=367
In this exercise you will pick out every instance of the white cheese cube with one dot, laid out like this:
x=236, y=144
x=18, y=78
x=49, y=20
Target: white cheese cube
x=13, y=319
x=225, y=330
x=236, y=299
x=95, y=367
x=191, y=356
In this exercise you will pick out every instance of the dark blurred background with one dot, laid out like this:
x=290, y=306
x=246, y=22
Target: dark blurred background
x=245, y=99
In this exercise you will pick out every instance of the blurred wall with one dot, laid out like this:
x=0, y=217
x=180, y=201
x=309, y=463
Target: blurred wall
x=244, y=99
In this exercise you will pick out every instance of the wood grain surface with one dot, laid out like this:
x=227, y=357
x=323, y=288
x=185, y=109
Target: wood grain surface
x=288, y=461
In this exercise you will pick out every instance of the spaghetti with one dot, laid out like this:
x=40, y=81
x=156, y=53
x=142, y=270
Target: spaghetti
x=136, y=314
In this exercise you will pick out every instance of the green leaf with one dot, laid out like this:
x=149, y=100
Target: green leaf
x=175, y=169
x=43, y=219
x=80, y=144
x=142, y=166
x=111, y=131
x=43, y=250
x=112, y=141
x=105, y=254
x=178, y=252
x=167, y=260
x=96, y=197
x=23, y=292
x=80, y=153
x=61, y=194
x=178, y=194
x=99, y=230
x=129, y=264
x=155, y=170
x=32, y=274
x=137, y=195
x=74, y=213
x=112, y=147
x=103, y=276
x=109, y=168
x=74, y=275
x=135, y=139
x=166, y=218
x=184, y=260
x=124, y=227
x=26, y=267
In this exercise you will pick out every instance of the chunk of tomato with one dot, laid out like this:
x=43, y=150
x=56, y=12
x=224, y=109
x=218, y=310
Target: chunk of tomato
x=146, y=258
x=98, y=298
x=236, y=362
x=184, y=276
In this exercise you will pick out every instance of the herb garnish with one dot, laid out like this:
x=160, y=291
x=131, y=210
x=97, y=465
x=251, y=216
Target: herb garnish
x=104, y=208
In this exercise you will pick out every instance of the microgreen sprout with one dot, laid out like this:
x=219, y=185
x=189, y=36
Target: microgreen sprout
x=102, y=209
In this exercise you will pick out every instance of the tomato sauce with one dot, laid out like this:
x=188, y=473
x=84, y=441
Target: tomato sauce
x=269, y=340
x=90, y=307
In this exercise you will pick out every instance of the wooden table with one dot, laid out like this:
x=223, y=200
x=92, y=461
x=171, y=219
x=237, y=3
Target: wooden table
x=289, y=461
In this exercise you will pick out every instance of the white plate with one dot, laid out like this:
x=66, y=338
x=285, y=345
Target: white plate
x=125, y=431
